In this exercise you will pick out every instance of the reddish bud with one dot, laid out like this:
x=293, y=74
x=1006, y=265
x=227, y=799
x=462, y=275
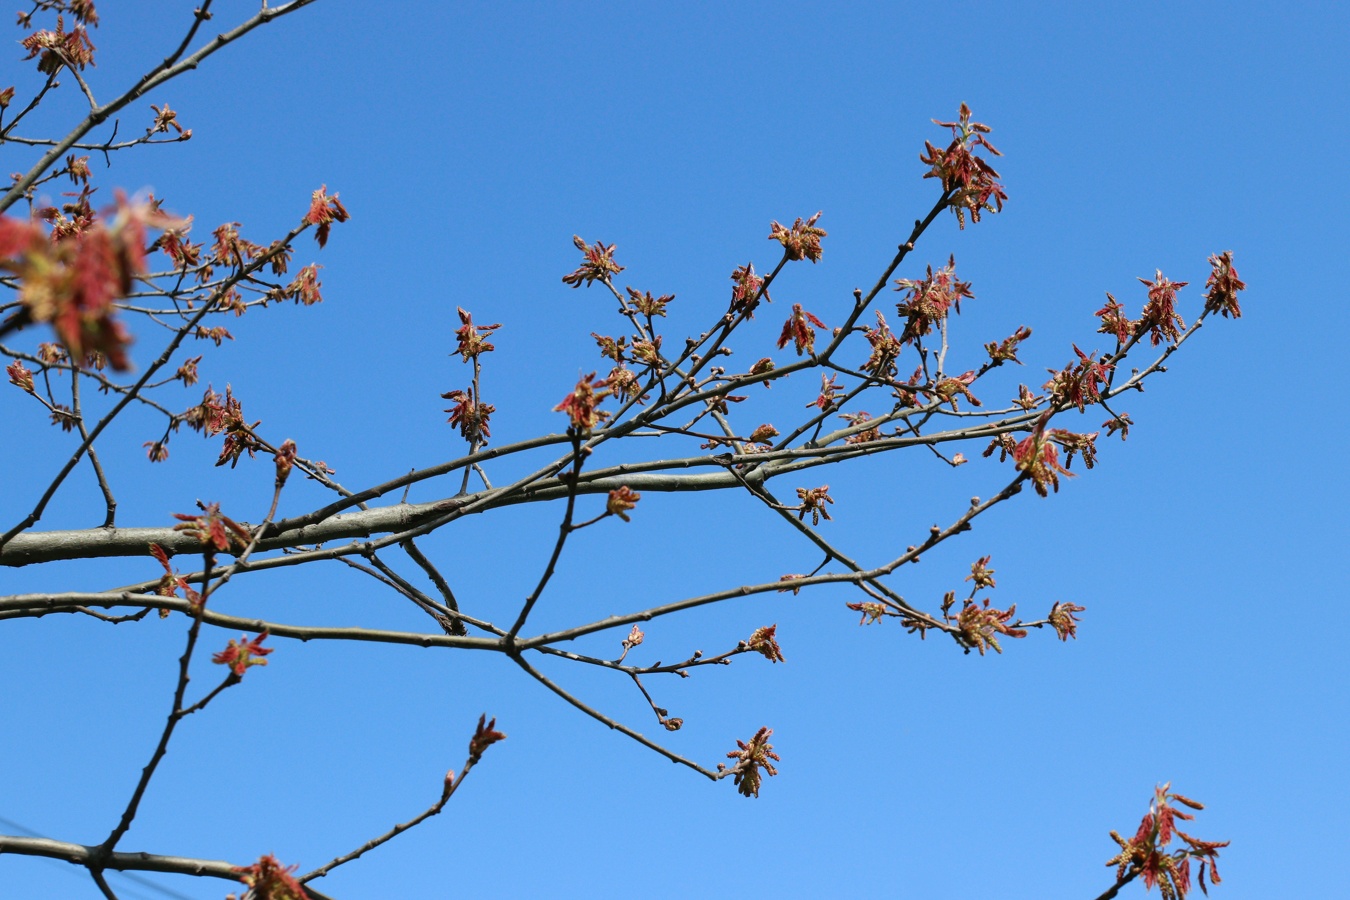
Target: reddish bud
x=323, y=212
x=580, y=405
x=241, y=654
x=267, y=879
x=484, y=736
x=285, y=460
x=1224, y=284
x=798, y=330
x=764, y=642
x=620, y=501
x=20, y=376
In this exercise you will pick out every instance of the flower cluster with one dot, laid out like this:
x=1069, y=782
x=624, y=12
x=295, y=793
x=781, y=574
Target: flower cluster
x=60, y=47
x=948, y=389
x=886, y=349
x=323, y=212
x=1006, y=351
x=214, y=415
x=647, y=352
x=972, y=182
x=648, y=305
x=1074, y=443
x=471, y=338
x=872, y=612
x=165, y=119
x=763, y=366
x=828, y=399
x=1160, y=315
x=231, y=248
x=1224, y=284
x=77, y=169
x=470, y=415
x=981, y=574
x=764, y=642
x=801, y=241
x=623, y=383
x=170, y=583
x=241, y=654
x=1119, y=423
x=1004, y=444
x=813, y=502
x=216, y=335
x=207, y=416
x=929, y=299
x=610, y=348
x=621, y=500
x=268, y=879
x=798, y=330
x=763, y=433
x=213, y=529
x=239, y=435
x=980, y=625
x=175, y=244
x=1036, y=455
x=1078, y=383
x=907, y=394
x=862, y=437
x=1026, y=399
x=750, y=758
x=304, y=287
x=580, y=405
x=1115, y=321
x=745, y=291
x=1063, y=620
x=1146, y=853
x=597, y=264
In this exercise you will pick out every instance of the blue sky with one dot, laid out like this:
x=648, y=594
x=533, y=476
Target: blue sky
x=470, y=142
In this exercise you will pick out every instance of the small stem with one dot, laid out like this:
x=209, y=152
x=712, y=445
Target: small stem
x=564, y=529
x=97, y=875
x=110, y=503
x=447, y=792
x=606, y=720
x=410, y=548
x=175, y=715
x=1114, y=889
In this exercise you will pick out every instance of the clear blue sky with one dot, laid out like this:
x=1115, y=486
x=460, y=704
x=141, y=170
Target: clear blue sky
x=470, y=142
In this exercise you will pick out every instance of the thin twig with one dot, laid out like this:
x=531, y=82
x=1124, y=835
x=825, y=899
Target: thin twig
x=175, y=715
x=448, y=791
x=1114, y=889
x=410, y=547
x=110, y=515
x=611, y=723
x=564, y=529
